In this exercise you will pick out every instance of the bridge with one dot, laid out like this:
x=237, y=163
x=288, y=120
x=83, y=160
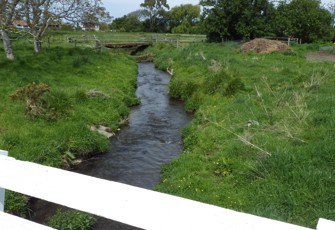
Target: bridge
x=120, y=202
x=133, y=46
x=128, y=45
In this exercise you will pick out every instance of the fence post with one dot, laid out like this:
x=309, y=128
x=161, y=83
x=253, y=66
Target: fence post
x=2, y=190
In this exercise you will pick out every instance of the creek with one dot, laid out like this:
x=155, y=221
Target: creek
x=138, y=151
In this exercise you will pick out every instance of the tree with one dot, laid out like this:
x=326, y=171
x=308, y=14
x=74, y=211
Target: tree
x=155, y=12
x=96, y=13
x=39, y=14
x=132, y=22
x=127, y=23
x=304, y=19
x=237, y=19
x=7, y=15
x=184, y=18
x=331, y=8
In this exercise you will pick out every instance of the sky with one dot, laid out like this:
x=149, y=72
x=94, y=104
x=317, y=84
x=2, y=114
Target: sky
x=118, y=8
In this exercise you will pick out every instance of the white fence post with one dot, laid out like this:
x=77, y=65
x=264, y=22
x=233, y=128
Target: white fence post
x=2, y=190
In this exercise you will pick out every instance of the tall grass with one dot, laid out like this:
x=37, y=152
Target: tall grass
x=266, y=148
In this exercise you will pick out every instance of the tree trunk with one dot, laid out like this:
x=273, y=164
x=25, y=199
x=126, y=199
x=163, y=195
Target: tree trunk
x=37, y=45
x=7, y=45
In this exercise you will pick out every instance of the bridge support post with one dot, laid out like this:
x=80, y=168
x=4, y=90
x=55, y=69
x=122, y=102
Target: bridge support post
x=2, y=191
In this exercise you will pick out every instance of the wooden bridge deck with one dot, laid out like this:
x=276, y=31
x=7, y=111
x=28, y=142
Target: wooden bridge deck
x=127, y=44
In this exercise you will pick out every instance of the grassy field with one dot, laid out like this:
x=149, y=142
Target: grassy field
x=262, y=137
x=50, y=100
x=68, y=110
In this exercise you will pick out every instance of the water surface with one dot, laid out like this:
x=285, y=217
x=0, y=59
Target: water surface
x=139, y=150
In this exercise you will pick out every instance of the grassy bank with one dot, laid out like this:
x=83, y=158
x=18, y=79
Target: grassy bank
x=262, y=138
x=49, y=122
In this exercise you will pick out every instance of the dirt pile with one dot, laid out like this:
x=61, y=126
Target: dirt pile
x=261, y=45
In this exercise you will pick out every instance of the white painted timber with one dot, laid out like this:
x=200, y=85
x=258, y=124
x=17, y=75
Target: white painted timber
x=131, y=205
x=9, y=222
x=324, y=224
x=2, y=190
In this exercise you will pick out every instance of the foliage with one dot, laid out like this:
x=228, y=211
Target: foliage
x=237, y=19
x=155, y=13
x=127, y=23
x=243, y=19
x=266, y=149
x=304, y=19
x=71, y=220
x=185, y=18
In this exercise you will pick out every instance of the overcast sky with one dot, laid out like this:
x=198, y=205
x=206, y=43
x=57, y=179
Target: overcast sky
x=118, y=8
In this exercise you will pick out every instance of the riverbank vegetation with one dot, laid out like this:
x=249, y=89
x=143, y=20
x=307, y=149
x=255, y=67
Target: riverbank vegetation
x=50, y=101
x=261, y=140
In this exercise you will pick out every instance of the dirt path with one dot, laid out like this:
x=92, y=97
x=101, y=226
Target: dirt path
x=320, y=56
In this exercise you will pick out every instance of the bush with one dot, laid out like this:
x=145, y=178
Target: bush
x=71, y=220
x=40, y=102
x=31, y=94
x=225, y=82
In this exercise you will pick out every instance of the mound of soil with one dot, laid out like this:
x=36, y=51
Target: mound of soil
x=261, y=45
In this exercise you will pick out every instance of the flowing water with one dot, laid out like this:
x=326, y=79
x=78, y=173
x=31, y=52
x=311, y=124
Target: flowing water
x=139, y=150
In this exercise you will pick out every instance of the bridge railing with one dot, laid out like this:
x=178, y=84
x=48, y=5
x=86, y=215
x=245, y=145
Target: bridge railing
x=123, y=203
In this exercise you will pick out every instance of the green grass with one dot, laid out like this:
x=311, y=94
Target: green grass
x=60, y=132
x=71, y=220
x=71, y=74
x=281, y=166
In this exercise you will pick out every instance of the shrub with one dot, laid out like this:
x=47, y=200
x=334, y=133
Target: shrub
x=40, y=102
x=225, y=82
x=31, y=94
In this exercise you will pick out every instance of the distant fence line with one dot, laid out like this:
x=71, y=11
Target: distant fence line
x=135, y=38
x=287, y=40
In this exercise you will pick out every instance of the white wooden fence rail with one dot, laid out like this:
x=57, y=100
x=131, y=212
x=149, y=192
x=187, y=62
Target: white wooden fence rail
x=127, y=204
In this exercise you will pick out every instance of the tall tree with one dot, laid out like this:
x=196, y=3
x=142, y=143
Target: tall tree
x=184, y=18
x=236, y=19
x=331, y=8
x=7, y=15
x=307, y=20
x=155, y=11
x=129, y=23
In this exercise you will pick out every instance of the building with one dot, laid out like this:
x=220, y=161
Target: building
x=20, y=24
x=89, y=26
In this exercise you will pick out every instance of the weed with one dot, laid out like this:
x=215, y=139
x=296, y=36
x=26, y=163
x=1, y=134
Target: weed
x=32, y=94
